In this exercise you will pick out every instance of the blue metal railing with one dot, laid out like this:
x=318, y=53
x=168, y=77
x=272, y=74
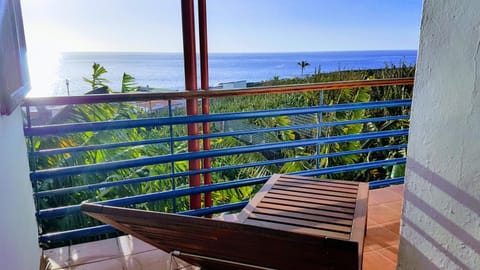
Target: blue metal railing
x=69, y=164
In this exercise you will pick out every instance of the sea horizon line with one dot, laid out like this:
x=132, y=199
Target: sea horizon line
x=278, y=52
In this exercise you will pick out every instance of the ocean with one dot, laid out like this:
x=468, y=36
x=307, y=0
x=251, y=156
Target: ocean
x=165, y=70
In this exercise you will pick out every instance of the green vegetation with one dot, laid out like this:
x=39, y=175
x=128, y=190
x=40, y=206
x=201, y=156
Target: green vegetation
x=305, y=99
x=124, y=111
x=97, y=81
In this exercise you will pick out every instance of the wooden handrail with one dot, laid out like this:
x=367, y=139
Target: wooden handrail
x=282, y=89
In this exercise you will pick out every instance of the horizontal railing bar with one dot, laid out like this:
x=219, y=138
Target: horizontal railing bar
x=386, y=182
x=150, y=122
x=104, y=229
x=157, y=196
x=139, y=180
x=352, y=167
x=77, y=233
x=113, y=165
x=163, y=195
x=58, y=151
x=366, y=120
x=283, y=89
x=94, y=147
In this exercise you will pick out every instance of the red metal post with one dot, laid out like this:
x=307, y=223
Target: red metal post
x=190, y=66
x=202, y=24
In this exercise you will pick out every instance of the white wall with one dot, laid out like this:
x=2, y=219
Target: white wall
x=18, y=230
x=441, y=219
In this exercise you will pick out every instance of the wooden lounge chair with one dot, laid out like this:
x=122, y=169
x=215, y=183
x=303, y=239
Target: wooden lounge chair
x=292, y=223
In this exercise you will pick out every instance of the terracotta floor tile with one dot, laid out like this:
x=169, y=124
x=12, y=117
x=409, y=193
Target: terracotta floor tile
x=395, y=206
x=379, y=237
x=59, y=257
x=155, y=260
x=371, y=222
x=129, y=245
x=102, y=265
x=390, y=253
x=372, y=199
x=375, y=261
x=382, y=214
x=397, y=188
x=392, y=226
x=383, y=195
x=95, y=251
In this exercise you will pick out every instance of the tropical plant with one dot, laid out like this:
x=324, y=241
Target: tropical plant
x=338, y=97
x=128, y=83
x=97, y=80
x=303, y=64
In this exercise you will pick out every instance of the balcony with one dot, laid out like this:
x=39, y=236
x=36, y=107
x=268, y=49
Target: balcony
x=440, y=215
x=126, y=150
x=126, y=252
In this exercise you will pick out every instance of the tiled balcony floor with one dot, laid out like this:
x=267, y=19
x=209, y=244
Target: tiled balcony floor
x=128, y=253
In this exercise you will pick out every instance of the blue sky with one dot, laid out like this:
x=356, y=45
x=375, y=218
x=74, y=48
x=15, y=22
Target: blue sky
x=234, y=25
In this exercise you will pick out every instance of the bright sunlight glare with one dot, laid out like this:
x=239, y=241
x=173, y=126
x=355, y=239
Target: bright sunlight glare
x=43, y=63
x=44, y=57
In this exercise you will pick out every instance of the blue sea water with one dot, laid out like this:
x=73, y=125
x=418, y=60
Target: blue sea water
x=165, y=70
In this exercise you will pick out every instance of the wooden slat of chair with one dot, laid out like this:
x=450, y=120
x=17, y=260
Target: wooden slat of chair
x=298, y=177
x=310, y=205
x=302, y=216
x=322, y=192
x=299, y=209
x=229, y=241
x=292, y=222
x=312, y=196
x=313, y=186
x=320, y=200
x=290, y=195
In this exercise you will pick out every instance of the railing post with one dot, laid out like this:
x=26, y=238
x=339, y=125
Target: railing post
x=31, y=145
x=202, y=24
x=319, y=130
x=172, y=151
x=190, y=66
x=33, y=163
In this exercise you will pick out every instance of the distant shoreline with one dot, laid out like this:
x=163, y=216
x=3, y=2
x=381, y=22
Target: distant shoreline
x=165, y=70
x=241, y=53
